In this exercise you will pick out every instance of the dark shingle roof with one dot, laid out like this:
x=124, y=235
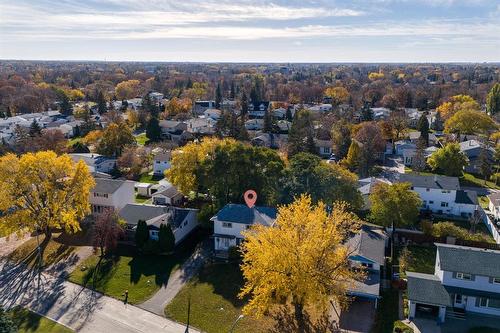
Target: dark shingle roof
x=454, y=258
x=369, y=243
x=242, y=214
x=132, y=213
x=434, y=181
x=466, y=197
x=104, y=185
x=427, y=288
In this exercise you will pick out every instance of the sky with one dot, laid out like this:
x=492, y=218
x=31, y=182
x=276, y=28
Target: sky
x=251, y=30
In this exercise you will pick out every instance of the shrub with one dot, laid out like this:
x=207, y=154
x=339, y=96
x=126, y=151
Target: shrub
x=141, y=233
x=400, y=327
x=166, y=238
x=205, y=214
x=444, y=229
x=151, y=247
x=234, y=253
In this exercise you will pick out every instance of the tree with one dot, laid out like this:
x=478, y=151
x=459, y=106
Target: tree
x=268, y=122
x=419, y=161
x=353, y=157
x=341, y=138
x=366, y=112
x=42, y=191
x=448, y=160
x=338, y=95
x=108, y=229
x=469, y=122
x=302, y=260
x=244, y=105
x=153, y=130
x=64, y=104
x=423, y=127
x=301, y=136
x=141, y=234
x=438, y=124
x=166, y=238
x=218, y=96
x=133, y=161
x=485, y=167
x=371, y=143
x=114, y=138
x=101, y=103
x=6, y=323
x=232, y=93
x=35, y=128
x=493, y=100
x=127, y=89
x=457, y=103
x=394, y=205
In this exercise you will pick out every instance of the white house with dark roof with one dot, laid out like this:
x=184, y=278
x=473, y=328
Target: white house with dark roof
x=233, y=219
x=111, y=194
x=442, y=194
x=169, y=196
x=95, y=162
x=258, y=109
x=161, y=162
x=182, y=220
x=472, y=149
x=465, y=280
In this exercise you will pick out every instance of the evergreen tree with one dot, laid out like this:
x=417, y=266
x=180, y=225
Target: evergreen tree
x=166, y=238
x=493, y=100
x=6, y=323
x=268, y=121
x=65, y=105
x=153, y=130
x=8, y=113
x=289, y=116
x=101, y=103
x=244, y=105
x=423, y=127
x=438, y=123
x=218, y=96
x=232, y=94
x=301, y=135
x=419, y=163
x=484, y=164
x=366, y=112
x=35, y=129
x=141, y=233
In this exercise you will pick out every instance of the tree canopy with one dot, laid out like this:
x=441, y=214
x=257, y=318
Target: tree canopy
x=448, y=160
x=469, y=122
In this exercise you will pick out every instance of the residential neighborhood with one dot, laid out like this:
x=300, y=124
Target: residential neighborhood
x=249, y=167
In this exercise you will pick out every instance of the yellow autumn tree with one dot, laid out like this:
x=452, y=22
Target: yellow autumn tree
x=469, y=122
x=338, y=95
x=127, y=89
x=457, y=103
x=301, y=261
x=186, y=161
x=43, y=191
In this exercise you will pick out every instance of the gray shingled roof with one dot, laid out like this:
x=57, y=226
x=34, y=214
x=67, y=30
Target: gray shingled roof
x=369, y=243
x=369, y=286
x=104, y=185
x=434, y=181
x=427, y=288
x=470, y=260
x=132, y=213
x=237, y=213
x=466, y=197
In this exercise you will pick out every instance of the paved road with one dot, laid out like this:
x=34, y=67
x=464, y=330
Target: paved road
x=177, y=280
x=76, y=307
x=9, y=244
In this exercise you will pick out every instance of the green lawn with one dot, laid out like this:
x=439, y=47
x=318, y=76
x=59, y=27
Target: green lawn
x=73, y=141
x=141, y=199
x=214, y=302
x=422, y=259
x=423, y=173
x=53, y=253
x=387, y=312
x=141, y=139
x=30, y=322
x=471, y=180
x=149, y=178
x=142, y=275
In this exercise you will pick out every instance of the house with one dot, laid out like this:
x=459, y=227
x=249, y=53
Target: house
x=366, y=186
x=182, y=220
x=200, y=106
x=409, y=154
x=257, y=109
x=381, y=113
x=169, y=196
x=279, y=113
x=161, y=162
x=320, y=108
x=324, y=147
x=367, y=252
x=156, y=97
x=95, y=162
x=232, y=219
x=254, y=124
x=465, y=280
x=143, y=189
x=201, y=126
x=212, y=113
x=494, y=204
x=442, y=194
x=174, y=130
x=111, y=194
x=472, y=149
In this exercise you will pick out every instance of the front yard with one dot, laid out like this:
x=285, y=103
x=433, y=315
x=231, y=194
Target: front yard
x=127, y=269
x=30, y=322
x=214, y=305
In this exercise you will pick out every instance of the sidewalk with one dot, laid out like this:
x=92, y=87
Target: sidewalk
x=74, y=306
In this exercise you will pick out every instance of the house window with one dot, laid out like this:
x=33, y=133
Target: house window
x=496, y=280
x=458, y=298
x=227, y=225
x=444, y=204
x=463, y=276
x=185, y=223
x=489, y=303
x=367, y=265
x=431, y=202
x=427, y=189
x=483, y=302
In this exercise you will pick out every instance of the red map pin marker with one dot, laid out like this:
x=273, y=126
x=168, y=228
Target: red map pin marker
x=250, y=198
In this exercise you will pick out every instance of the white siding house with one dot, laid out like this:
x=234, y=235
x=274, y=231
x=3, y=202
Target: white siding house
x=161, y=162
x=111, y=194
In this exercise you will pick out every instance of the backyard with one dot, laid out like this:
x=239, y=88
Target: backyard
x=30, y=322
x=128, y=269
x=421, y=259
x=213, y=302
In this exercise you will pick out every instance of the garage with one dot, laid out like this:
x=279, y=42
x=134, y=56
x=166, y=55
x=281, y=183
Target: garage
x=426, y=311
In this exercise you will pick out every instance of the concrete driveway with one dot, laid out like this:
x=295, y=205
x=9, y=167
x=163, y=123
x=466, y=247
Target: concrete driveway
x=358, y=318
